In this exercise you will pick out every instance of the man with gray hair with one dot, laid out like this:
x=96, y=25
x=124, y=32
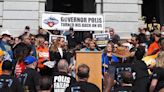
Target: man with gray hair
x=63, y=66
x=83, y=85
x=62, y=80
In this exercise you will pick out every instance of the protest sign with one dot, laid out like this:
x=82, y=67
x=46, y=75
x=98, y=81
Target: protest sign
x=80, y=22
x=54, y=37
x=101, y=39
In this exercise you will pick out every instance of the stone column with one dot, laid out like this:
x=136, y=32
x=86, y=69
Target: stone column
x=98, y=6
x=141, y=22
x=41, y=10
x=140, y=2
x=1, y=13
x=20, y=13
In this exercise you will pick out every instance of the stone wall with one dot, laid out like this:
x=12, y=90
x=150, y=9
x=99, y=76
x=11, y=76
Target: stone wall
x=20, y=13
x=1, y=13
x=122, y=15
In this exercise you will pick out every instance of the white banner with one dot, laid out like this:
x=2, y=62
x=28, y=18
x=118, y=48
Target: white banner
x=101, y=39
x=80, y=22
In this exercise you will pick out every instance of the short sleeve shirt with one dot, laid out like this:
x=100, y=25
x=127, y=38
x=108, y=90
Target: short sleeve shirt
x=152, y=47
x=61, y=81
x=30, y=79
x=83, y=87
x=158, y=74
x=10, y=84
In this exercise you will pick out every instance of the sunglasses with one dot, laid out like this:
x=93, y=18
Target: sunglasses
x=46, y=44
x=33, y=39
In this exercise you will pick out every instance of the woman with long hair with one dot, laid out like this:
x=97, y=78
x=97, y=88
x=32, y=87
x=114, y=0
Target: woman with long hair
x=108, y=57
x=43, y=55
x=58, y=52
x=21, y=51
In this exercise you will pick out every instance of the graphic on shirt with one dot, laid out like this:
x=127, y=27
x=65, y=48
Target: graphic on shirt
x=61, y=83
x=23, y=78
x=5, y=82
x=120, y=69
x=43, y=54
x=75, y=89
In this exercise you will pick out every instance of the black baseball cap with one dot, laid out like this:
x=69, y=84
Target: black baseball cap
x=7, y=65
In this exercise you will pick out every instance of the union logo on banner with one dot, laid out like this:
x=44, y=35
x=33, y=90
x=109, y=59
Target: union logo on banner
x=51, y=21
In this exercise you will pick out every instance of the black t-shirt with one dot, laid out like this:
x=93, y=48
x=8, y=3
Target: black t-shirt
x=9, y=84
x=141, y=69
x=119, y=67
x=142, y=77
x=72, y=41
x=61, y=81
x=124, y=89
x=30, y=80
x=158, y=74
x=83, y=87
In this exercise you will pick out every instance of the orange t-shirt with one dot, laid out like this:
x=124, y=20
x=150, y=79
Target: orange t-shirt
x=43, y=54
x=1, y=67
x=153, y=46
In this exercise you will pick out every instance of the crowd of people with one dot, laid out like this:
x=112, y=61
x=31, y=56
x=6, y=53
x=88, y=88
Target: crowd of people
x=30, y=63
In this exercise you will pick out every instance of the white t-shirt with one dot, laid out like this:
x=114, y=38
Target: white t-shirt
x=60, y=51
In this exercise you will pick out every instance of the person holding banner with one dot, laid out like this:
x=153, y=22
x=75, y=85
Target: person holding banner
x=115, y=37
x=72, y=39
x=43, y=33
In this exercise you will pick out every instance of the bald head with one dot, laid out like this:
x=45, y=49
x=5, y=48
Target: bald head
x=63, y=65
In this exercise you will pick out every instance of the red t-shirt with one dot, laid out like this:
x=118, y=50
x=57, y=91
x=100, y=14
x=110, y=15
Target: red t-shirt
x=19, y=68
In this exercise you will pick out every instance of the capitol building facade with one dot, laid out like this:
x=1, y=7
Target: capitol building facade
x=122, y=15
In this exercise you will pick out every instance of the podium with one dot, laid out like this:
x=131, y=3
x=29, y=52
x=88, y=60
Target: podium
x=93, y=60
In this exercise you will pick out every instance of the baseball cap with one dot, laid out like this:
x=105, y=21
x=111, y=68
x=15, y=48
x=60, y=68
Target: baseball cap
x=6, y=32
x=162, y=33
x=147, y=33
x=7, y=65
x=111, y=30
x=71, y=28
x=27, y=28
x=30, y=59
x=157, y=33
x=1, y=52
